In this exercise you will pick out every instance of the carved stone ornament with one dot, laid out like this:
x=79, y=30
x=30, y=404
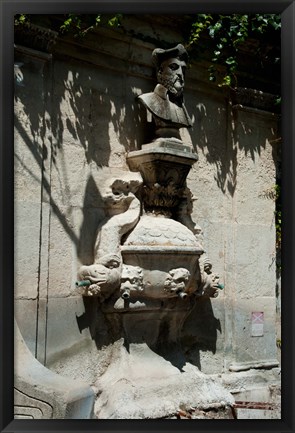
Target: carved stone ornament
x=176, y=282
x=150, y=268
x=131, y=281
x=164, y=167
x=103, y=277
x=36, y=37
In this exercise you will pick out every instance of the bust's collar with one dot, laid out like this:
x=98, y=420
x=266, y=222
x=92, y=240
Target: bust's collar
x=161, y=91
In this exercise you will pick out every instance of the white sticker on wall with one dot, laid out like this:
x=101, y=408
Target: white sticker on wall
x=257, y=322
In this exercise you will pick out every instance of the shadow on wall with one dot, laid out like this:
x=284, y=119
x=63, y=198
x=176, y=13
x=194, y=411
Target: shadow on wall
x=158, y=329
x=219, y=134
x=92, y=220
x=63, y=104
x=78, y=107
x=75, y=107
x=87, y=111
x=200, y=332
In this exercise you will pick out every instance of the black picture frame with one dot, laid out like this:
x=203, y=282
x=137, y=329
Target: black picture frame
x=7, y=10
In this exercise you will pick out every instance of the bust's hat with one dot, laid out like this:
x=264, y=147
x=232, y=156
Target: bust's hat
x=159, y=55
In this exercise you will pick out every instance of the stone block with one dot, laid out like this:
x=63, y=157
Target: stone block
x=65, y=315
x=213, y=240
x=70, y=75
x=240, y=382
x=69, y=246
x=44, y=249
x=255, y=192
x=27, y=239
x=69, y=177
x=30, y=138
x=27, y=166
x=255, y=263
x=258, y=413
x=249, y=349
x=63, y=255
x=247, y=259
x=25, y=311
x=203, y=335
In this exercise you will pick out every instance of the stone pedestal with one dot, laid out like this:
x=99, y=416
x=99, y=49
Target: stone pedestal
x=141, y=384
x=148, y=376
x=164, y=165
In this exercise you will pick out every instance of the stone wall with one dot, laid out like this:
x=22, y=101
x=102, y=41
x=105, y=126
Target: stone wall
x=76, y=116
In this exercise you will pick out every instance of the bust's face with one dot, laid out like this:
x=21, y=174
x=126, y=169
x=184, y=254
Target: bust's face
x=171, y=75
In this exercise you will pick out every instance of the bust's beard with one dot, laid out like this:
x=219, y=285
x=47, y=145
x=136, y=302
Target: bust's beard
x=169, y=84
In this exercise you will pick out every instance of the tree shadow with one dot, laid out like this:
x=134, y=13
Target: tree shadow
x=73, y=110
x=153, y=328
x=93, y=217
x=200, y=332
x=221, y=132
x=76, y=109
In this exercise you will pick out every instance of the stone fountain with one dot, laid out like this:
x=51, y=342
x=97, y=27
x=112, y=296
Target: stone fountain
x=149, y=268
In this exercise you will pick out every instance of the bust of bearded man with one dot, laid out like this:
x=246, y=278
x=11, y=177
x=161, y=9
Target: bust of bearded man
x=165, y=103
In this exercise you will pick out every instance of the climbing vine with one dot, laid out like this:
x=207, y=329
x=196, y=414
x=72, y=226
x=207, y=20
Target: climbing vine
x=228, y=33
x=76, y=25
x=278, y=221
x=80, y=25
x=274, y=194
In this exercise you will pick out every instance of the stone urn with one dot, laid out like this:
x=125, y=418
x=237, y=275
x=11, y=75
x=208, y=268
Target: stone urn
x=160, y=245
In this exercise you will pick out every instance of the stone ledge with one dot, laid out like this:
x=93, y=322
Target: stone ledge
x=254, y=100
x=34, y=36
x=263, y=364
x=41, y=55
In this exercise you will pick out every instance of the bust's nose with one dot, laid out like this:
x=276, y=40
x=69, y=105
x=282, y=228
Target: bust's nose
x=180, y=74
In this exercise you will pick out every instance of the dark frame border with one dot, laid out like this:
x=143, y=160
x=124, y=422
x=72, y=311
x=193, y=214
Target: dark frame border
x=7, y=10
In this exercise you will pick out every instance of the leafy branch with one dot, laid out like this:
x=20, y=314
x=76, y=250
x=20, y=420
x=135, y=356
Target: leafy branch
x=228, y=33
x=76, y=25
x=80, y=25
x=20, y=19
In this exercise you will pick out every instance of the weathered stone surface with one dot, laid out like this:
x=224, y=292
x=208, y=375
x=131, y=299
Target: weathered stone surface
x=203, y=338
x=25, y=312
x=65, y=154
x=251, y=348
x=66, y=330
x=27, y=250
x=255, y=256
x=42, y=394
x=245, y=384
x=139, y=384
x=257, y=392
